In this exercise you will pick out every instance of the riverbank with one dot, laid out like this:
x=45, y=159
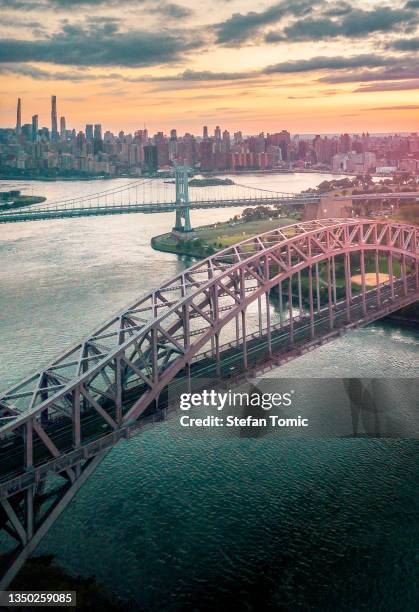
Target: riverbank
x=211, y=238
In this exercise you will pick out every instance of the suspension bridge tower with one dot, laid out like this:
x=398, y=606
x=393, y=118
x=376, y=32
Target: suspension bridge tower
x=183, y=228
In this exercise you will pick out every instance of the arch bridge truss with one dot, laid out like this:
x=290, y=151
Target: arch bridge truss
x=247, y=308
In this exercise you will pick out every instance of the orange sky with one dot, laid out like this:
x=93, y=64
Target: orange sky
x=306, y=66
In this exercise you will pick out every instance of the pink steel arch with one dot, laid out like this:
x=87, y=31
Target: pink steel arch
x=118, y=371
x=163, y=331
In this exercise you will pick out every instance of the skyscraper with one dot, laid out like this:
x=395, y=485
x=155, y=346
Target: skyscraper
x=97, y=138
x=54, y=130
x=98, y=131
x=19, y=116
x=62, y=128
x=89, y=131
x=205, y=133
x=151, y=161
x=35, y=127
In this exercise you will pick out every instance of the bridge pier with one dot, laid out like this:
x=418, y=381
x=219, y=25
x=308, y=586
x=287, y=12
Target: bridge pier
x=183, y=227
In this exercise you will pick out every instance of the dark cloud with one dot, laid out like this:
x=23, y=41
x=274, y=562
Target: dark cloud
x=240, y=28
x=355, y=23
x=170, y=9
x=48, y=75
x=392, y=73
x=207, y=75
x=337, y=11
x=406, y=44
x=99, y=43
x=18, y=22
x=328, y=63
x=19, y=5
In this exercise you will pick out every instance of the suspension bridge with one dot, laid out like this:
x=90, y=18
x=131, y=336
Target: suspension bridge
x=151, y=196
x=217, y=319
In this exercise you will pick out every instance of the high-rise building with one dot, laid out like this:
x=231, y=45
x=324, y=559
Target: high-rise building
x=345, y=143
x=151, y=162
x=27, y=131
x=205, y=133
x=217, y=133
x=97, y=138
x=238, y=138
x=35, y=128
x=207, y=155
x=19, y=116
x=173, y=135
x=89, y=132
x=162, y=145
x=62, y=128
x=226, y=141
x=54, y=129
x=98, y=132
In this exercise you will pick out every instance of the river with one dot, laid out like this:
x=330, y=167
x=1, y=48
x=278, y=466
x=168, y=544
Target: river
x=174, y=521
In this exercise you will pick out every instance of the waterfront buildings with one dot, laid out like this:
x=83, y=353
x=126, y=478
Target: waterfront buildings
x=30, y=150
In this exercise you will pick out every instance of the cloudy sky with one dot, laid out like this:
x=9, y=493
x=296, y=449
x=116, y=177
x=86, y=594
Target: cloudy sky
x=305, y=65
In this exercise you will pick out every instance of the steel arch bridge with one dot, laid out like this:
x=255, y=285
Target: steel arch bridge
x=213, y=320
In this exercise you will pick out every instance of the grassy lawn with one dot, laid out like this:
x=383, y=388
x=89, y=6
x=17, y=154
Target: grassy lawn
x=212, y=238
x=222, y=235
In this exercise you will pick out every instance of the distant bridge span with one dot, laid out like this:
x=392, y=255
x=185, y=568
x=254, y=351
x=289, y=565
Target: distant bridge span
x=213, y=320
x=149, y=197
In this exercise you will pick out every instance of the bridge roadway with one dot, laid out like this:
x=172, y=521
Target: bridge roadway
x=42, y=214
x=70, y=211
x=204, y=367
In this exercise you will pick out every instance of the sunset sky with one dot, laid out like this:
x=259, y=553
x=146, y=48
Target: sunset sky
x=309, y=66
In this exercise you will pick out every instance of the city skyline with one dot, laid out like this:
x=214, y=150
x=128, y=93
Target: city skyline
x=35, y=150
x=52, y=114
x=307, y=66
